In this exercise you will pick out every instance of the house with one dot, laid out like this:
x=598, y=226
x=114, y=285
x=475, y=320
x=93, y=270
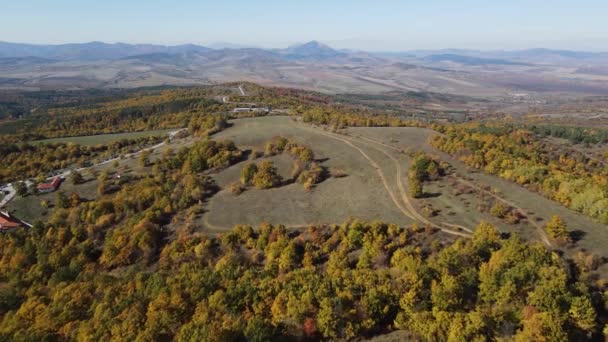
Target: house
x=7, y=222
x=49, y=186
x=241, y=110
x=251, y=109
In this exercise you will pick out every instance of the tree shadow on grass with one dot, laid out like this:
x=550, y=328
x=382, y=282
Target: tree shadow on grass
x=430, y=195
x=577, y=235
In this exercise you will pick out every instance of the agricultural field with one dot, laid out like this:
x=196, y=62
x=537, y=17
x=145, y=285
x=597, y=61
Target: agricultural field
x=91, y=140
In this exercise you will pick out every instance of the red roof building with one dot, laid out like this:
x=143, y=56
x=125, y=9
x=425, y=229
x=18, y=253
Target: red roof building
x=6, y=222
x=49, y=186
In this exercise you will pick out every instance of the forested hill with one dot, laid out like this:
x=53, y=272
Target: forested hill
x=107, y=270
x=135, y=260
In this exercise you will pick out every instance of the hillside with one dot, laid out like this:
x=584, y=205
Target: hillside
x=320, y=219
x=539, y=73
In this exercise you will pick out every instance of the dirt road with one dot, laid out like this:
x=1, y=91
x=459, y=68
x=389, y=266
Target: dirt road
x=409, y=210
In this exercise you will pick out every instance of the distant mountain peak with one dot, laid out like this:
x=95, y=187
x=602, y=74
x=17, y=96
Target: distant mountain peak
x=313, y=44
x=313, y=50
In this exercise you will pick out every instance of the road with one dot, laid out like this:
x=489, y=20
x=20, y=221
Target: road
x=541, y=232
x=226, y=100
x=65, y=173
x=7, y=197
x=408, y=210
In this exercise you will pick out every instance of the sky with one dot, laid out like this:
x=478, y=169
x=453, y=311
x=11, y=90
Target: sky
x=375, y=25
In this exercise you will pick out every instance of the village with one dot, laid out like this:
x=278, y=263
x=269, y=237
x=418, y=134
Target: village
x=9, y=221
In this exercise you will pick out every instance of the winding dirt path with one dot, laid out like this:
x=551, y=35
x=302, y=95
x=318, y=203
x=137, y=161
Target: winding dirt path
x=539, y=228
x=400, y=183
x=409, y=211
x=406, y=199
x=378, y=170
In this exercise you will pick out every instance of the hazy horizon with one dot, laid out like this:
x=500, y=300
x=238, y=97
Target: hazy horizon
x=332, y=44
x=391, y=26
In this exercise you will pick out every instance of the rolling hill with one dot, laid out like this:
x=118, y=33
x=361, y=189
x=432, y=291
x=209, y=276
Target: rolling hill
x=313, y=65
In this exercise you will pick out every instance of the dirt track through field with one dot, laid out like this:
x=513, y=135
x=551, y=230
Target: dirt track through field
x=400, y=183
x=406, y=200
x=410, y=212
x=540, y=230
x=378, y=170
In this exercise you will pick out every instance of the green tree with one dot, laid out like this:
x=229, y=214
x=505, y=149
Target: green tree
x=144, y=158
x=61, y=200
x=76, y=178
x=306, y=155
x=328, y=319
x=582, y=314
x=21, y=188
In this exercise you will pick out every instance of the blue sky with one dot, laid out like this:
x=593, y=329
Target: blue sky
x=371, y=25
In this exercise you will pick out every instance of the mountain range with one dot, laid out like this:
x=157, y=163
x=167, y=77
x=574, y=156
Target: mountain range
x=312, y=65
x=312, y=51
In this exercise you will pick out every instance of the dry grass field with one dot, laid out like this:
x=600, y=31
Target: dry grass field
x=358, y=195
x=376, y=162
x=452, y=198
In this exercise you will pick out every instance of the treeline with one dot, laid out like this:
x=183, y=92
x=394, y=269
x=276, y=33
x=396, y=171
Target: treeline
x=338, y=118
x=337, y=282
x=30, y=160
x=139, y=111
x=518, y=155
x=152, y=109
x=574, y=134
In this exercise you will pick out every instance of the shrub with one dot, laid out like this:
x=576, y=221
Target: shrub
x=416, y=190
x=237, y=188
x=275, y=146
x=513, y=217
x=314, y=175
x=266, y=177
x=428, y=210
x=76, y=177
x=499, y=210
x=248, y=173
x=256, y=154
